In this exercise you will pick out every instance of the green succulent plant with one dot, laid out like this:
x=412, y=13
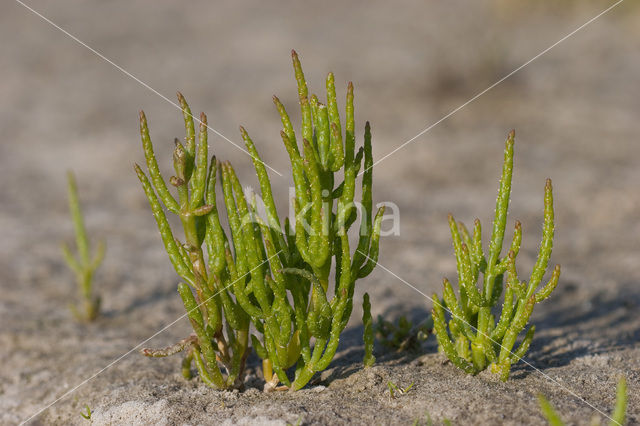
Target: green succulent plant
x=84, y=266
x=471, y=338
x=262, y=273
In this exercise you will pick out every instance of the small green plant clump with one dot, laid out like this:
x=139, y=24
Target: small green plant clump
x=87, y=412
x=617, y=418
x=403, y=335
x=84, y=266
x=472, y=339
x=264, y=274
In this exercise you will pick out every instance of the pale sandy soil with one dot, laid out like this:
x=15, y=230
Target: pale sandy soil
x=575, y=109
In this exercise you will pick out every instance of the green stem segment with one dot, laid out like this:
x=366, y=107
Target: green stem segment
x=84, y=266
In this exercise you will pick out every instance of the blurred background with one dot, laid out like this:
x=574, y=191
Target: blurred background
x=575, y=110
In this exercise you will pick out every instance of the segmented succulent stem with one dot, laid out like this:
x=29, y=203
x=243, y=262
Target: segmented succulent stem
x=367, y=321
x=617, y=417
x=209, y=280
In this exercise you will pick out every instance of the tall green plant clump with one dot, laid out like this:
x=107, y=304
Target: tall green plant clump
x=262, y=273
x=471, y=338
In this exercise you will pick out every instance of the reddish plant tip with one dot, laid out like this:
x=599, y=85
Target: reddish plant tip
x=294, y=54
x=203, y=118
x=450, y=217
x=512, y=134
x=141, y=114
x=518, y=224
x=180, y=97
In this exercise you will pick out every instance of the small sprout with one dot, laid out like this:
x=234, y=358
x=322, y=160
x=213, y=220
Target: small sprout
x=87, y=413
x=395, y=391
x=617, y=418
x=84, y=265
x=297, y=423
x=427, y=421
x=369, y=359
x=478, y=339
x=403, y=336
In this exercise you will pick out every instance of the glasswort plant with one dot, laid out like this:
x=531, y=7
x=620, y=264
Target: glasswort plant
x=324, y=213
x=275, y=278
x=472, y=339
x=84, y=266
x=207, y=288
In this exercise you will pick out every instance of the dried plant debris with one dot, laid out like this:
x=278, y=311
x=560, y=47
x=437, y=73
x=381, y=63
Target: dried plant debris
x=263, y=273
x=471, y=337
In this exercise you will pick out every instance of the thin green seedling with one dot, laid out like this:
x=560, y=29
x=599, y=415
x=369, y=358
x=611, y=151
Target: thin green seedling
x=367, y=321
x=472, y=339
x=617, y=418
x=428, y=421
x=84, y=266
x=87, y=413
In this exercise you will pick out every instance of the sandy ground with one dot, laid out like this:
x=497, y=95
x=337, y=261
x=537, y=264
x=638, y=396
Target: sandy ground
x=576, y=113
